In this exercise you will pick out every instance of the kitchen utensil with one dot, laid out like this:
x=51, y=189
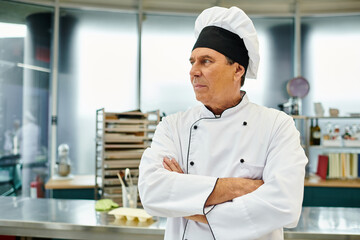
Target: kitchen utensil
x=129, y=192
x=122, y=176
x=121, y=179
x=298, y=87
x=128, y=176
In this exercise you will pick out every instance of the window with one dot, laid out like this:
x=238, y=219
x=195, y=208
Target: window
x=97, y=68
x=331, y=54
x=276, y=61
x=25, y=46
x=167, y=42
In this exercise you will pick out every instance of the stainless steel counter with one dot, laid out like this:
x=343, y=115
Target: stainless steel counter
x=70, y=219
x=77, y=219
x=327, y=223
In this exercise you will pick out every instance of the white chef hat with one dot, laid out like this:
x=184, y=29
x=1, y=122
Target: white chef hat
x=230, y=32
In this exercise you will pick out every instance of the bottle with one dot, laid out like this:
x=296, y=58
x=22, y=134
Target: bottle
x=64, y=166
x=336, y=135
x=311, y=132
x=36, y=188
x=347, y=135
x=316, y=133
x=33, y=189
x=328, y=131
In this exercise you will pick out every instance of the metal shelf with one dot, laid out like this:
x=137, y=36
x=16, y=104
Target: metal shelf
x=303, y=125
x=121, y=139
x=324, y=117
x=333, y=147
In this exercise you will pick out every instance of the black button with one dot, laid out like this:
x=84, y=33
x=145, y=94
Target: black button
x=195, y=127
x=245, y=123
x=192, y=163
x=242, y=160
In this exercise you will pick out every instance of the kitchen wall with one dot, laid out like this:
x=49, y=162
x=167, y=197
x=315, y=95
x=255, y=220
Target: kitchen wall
x=101, y=62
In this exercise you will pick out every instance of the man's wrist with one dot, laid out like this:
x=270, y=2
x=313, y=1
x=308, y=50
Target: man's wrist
x=233, y=188
x=225, y=190
x=197, y=218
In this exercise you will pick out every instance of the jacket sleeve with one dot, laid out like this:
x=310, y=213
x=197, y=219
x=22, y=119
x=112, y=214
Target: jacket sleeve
x=169, y=194
x=278, y=202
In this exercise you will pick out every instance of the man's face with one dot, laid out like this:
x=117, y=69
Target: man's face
x=213, y=79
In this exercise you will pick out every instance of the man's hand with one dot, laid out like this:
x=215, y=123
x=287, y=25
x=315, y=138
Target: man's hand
x=172, y=165
x=226, y=189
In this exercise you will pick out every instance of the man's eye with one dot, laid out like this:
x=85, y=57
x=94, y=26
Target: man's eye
x=207, y=61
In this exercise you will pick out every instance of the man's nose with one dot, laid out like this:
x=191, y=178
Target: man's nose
x=195, y=71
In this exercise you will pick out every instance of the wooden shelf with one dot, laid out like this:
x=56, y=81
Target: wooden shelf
x=347, y=183
x=129, y=121
x=299, y=117
x=126, y=129
x=78, y=182
x=126, y=146
x=131, y=113
x=121, y=163
x=125, y=154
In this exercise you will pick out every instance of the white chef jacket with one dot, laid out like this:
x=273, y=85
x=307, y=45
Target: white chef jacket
x=247, y=141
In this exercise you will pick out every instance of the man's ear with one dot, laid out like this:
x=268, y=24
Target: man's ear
x=239, y=72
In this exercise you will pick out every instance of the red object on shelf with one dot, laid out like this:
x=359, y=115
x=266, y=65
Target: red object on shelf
x=322, y=168
x=37, y=188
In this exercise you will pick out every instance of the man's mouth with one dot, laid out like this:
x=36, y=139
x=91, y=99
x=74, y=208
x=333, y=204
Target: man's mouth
x=199, y=86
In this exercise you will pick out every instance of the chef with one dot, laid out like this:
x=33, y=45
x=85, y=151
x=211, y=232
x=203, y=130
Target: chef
x=228, y=169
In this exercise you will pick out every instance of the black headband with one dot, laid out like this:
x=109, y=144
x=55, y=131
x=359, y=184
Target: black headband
x=224, y=42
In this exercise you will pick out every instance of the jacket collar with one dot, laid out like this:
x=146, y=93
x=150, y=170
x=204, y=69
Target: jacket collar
x=206, y=113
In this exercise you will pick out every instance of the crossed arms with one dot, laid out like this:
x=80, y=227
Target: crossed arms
x=225, y=189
